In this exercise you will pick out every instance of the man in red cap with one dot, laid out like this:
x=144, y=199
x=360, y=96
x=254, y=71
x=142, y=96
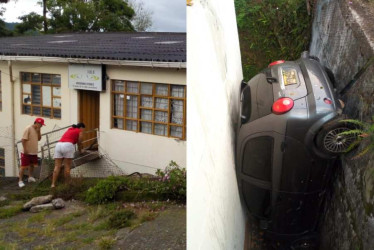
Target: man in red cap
x=29, y=156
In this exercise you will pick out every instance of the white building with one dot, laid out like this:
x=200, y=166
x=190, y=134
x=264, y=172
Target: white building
x=131, y=86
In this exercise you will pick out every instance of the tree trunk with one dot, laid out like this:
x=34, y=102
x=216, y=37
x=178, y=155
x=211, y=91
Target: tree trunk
x=45, y=16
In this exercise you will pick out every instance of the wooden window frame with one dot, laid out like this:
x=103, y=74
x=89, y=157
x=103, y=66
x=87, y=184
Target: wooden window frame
x=138, y=119
x=41, y=84
x=2, y=157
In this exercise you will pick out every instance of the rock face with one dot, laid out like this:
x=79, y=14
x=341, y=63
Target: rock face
x=58, y=203
x=37, y=201
x=38, y=208
x=343, y=42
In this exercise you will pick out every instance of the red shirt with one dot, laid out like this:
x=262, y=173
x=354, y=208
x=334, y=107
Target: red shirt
x=71, y=135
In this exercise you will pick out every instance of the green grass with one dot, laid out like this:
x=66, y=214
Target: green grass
x=106, y=242
x=10, y=212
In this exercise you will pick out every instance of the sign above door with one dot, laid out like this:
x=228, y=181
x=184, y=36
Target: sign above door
x=86, y=77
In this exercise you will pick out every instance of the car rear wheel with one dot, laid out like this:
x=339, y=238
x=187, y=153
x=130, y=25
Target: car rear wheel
x=331, y=141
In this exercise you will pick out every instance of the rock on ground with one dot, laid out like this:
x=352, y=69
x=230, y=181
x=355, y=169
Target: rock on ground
x=38, y=208
x=58, y=203
x=37, y=201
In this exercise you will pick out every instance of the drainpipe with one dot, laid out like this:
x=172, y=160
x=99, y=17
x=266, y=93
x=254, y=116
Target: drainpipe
x=13, y=116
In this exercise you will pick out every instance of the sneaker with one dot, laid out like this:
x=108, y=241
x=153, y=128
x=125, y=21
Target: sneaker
x=31, y=179
x=21, y=184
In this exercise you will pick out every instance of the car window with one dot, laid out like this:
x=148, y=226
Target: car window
x=258, y=158
x=246, y=104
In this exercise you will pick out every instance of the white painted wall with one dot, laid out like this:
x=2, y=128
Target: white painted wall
x=215, y=217
x=131, y=151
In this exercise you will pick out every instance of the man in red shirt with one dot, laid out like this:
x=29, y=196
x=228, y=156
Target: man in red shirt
x=29, y=156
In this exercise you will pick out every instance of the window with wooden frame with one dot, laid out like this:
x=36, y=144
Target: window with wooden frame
x=1, y=96
x=2, y=162
x=151, y=108
x=41, y=95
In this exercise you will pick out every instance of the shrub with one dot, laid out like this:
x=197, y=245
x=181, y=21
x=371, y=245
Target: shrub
x=121, y=219
x=105, y=190
x=173, y=181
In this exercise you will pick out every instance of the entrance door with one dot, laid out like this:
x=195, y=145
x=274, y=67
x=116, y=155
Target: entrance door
x=89, y=114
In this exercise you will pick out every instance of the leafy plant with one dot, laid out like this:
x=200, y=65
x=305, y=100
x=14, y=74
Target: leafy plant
x=271, y=30
x=121, y=219
x=173, y=181
x=105, y=190
x=364, y=132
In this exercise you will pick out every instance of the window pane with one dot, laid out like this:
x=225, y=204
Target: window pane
x=46, y=78
x=35, y=94
x=132, y=106
x=57, y=102
x=2, y=152
x=47, y=112
x=2, y=172
x=132, y=87
x=177, y=91
x=56, y=79
x=146, y=114
x=146, y=127
x=118, y=104
x=118, y=123
x=57, y=91
x=57, y=113
x=257, y=158
x=1, y=105
x=26, y=77
x=146, y=88
x=161, y=116
x=161, y=129
x=26, y=99
x=118, y=86
x=36, y=111
x=26, y=88
x=47, y=98
x=162, y=89
x=162, y=103
x=177, y=111
x=26, y=109
x=131, y=125
x=35, y=78
x=176, y=131
x=146, y=101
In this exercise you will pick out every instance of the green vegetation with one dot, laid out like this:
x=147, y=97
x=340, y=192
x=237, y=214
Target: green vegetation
x=106, y=242
x=121, y=219
x=10, y=211
x=271, y=30
x=365, y=135
x=169, y=184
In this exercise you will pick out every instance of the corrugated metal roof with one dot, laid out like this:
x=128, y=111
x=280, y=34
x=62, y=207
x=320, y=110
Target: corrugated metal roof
x=140, y=46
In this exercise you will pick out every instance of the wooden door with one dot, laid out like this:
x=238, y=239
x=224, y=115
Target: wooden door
x=89, y=114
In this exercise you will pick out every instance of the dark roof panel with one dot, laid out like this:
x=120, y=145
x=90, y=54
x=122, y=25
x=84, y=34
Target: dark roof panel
x=141, y=46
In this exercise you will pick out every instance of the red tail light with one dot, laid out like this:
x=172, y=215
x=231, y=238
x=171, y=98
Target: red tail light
x=275, y=63
x=282, y=105
x=327, y=100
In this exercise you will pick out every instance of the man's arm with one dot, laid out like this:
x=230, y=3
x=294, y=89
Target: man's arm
x=39, y=134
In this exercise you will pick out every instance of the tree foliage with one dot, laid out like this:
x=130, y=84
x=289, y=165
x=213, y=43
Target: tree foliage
x=89, y=15
x=270, y=30
x=142, y=21
x=32, y=23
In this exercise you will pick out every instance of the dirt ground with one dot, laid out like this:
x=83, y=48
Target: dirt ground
x=158, y=225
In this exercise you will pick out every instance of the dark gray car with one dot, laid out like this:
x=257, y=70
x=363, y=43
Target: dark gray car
x=287, y=139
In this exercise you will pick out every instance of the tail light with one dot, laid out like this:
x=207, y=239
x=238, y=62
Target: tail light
x=282, y=105
x=327, y=100
x=275, y=63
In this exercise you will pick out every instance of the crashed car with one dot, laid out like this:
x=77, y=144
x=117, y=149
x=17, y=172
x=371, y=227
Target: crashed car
x=287, y=139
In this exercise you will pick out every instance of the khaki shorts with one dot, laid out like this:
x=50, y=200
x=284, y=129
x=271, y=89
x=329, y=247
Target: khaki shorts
x=64, y=150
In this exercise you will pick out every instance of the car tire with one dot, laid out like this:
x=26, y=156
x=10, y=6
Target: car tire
x=330, y=142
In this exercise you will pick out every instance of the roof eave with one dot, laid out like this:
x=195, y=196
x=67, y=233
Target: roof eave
x=151, y=64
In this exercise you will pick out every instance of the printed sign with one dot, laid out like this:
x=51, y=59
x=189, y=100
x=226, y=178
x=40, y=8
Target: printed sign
x=86, y=77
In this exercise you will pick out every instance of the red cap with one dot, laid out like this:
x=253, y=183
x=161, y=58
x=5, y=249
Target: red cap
x=40, y=120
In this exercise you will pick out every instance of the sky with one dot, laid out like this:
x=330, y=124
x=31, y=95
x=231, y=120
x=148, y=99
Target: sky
x=168, y=15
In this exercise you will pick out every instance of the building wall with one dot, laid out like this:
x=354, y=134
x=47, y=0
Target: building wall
x=215, y=217
x=131, y=151
x=343, y=39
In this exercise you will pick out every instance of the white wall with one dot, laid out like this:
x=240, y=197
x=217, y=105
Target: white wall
x=215, y=217
x=139, y=151
x=131, y=151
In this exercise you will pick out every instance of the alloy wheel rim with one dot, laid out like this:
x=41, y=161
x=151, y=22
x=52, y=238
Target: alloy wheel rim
x=337, y=143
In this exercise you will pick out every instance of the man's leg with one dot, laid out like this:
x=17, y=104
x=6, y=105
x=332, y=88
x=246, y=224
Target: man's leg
x=21, y=172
